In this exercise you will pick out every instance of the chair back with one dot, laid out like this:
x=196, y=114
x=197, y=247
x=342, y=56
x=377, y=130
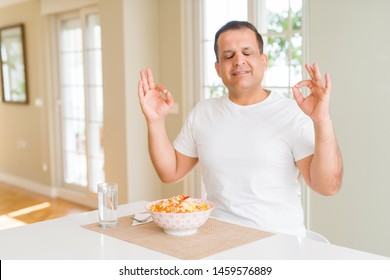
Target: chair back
x=316, y=236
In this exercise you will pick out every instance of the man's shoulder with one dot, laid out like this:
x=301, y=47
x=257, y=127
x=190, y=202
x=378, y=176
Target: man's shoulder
x=205, y=107
x=282, y=99
x=288, y=105
x=280, y=96
x=210, y=102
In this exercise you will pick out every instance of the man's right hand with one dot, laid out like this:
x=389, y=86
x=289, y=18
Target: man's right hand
x=155, y=99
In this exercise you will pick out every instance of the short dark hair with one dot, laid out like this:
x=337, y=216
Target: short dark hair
x=237, y=25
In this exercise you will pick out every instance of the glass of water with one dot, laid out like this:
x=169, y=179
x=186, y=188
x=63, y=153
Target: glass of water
x=108, y=204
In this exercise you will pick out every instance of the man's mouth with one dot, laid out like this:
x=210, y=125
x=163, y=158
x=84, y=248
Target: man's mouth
x=240, y=72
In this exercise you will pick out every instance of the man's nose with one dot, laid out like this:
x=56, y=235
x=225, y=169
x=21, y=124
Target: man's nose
x=239, y=60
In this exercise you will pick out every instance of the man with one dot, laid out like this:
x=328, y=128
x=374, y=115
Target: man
x=252, y=144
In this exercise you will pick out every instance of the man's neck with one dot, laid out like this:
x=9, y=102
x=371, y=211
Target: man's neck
x=249, y=98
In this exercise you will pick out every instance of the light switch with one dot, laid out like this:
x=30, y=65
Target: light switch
x=21, y=144
x=38, y=102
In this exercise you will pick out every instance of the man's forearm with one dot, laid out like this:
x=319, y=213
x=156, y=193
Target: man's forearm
x=326, y=169
x=161, y=151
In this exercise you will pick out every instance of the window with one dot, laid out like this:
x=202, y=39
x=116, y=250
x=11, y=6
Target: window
x=280, y=24
x=217, y=13
x=283, y=45
x=81, y=96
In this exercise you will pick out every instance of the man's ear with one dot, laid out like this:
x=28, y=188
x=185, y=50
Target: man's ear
x=217, y=67
x=265, y=60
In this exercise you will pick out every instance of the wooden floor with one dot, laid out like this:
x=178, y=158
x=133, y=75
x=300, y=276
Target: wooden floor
x=19, y=206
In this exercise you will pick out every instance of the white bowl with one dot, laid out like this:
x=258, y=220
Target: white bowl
x=181, y=224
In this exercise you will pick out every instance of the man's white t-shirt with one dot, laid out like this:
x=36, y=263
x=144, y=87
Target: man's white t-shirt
x=247, y=155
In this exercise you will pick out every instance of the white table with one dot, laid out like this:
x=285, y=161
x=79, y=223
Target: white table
x=65, y=239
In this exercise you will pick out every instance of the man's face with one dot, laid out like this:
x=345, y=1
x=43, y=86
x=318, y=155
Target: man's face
x=240, y=65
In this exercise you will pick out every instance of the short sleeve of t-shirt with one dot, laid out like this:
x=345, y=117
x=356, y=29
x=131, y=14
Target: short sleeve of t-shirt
x=303, y=139
x=184, y=142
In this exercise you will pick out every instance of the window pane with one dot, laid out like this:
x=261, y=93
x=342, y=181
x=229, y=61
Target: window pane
x=277, y=6
x=96, y=104
x=73, y=102
x=296, y=49
x=219, y=12
x=295, y=74
x=97, y=168
x=75, y=169
x=96, y=139
x=296, y=59
x=210, y=74
x=278, y=18
x=74, y=136
x=93, y=32
x=277, y=76
x=94, y=67
x=72, y=69
x=71, y=35
x=296, y=5
x=214, y=91
x=297, y=20
x=277, y=51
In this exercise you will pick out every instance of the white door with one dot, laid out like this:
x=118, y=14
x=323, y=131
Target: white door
x=81, y=101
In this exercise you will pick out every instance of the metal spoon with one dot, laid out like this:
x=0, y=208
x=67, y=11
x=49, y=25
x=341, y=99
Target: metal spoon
x=141, y=220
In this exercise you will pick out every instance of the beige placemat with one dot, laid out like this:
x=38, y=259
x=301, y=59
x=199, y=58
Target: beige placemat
x=213, y=237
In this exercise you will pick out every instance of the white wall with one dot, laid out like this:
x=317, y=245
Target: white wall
x=141, y=43
x=350, y=39
x=171, y=71
x=114, y=77
x=152, y=39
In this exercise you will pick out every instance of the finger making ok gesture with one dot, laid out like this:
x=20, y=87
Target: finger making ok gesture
x=155, y=99
x=316, y=104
